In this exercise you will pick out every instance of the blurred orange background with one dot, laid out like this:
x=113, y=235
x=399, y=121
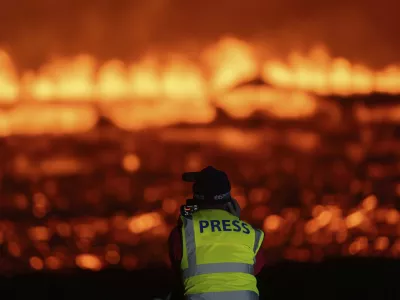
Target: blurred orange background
x=103, y=106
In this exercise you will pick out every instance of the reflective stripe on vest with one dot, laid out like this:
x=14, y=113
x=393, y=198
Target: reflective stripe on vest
x=193, y=269
x=236, y=295
x=257, y=240
x=218, y=268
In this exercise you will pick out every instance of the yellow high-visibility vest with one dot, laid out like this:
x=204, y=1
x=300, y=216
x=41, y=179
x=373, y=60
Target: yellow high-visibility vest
x=218, y=258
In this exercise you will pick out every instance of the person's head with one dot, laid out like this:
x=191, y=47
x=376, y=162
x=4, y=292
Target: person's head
x=212, y=186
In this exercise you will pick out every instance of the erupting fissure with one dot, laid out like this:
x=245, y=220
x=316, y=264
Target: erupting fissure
x=180, y=90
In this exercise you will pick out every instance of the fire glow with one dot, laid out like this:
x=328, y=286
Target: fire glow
x=225, y=64
x=72, y=92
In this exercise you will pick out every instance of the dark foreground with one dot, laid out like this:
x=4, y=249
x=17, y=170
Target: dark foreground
x=334, y=279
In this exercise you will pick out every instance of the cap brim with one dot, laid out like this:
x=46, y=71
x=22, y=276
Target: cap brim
x=190, y=176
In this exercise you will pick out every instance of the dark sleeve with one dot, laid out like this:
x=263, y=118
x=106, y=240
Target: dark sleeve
x=175, y=255
x=260, y=262
x=175, y=250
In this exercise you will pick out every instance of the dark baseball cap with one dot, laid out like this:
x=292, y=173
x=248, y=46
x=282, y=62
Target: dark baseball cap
x=209, y=184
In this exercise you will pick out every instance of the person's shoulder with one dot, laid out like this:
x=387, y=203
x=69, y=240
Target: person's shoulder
x=259, y=230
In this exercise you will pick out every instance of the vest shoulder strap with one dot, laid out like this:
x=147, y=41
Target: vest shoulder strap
x=259, y=238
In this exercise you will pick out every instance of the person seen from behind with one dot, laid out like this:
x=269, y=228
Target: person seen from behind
x=215, y=255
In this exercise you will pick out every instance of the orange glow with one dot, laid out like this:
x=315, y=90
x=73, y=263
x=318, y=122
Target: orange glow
x=14, y=249
x=381, y=214
x=53, y=263
x=8, y=80
x=194, y=161
x=241, y=103
x=376, y=115
x=324, y=218
x=233, y=139
x=88, y=261
x=342, y=236
x=145, y=222
x=396, y=247
x=70, y=95
x=358, y=245
x=36, y=263
x=370, y=203
x=381, y=243
x=311, y=226
x=241, y=199
x=63, y=229
x=84, y=231
x=237, y=140
x=131, y=163
x=229, y=62
x=33, y=119
x=317, y=210
x=290, y=214
x=232, y=62
x=101, y=226
x=272, y=223
x=259, y=195
x=152, y=194
x=355, y=219
x=39, y=233
x=170, y=206
x=179, y=89
x=320, y=73
x=40, y=205
x=392, y=216
x=112, y=254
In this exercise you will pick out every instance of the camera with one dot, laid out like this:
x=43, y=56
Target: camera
x=188, y=210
